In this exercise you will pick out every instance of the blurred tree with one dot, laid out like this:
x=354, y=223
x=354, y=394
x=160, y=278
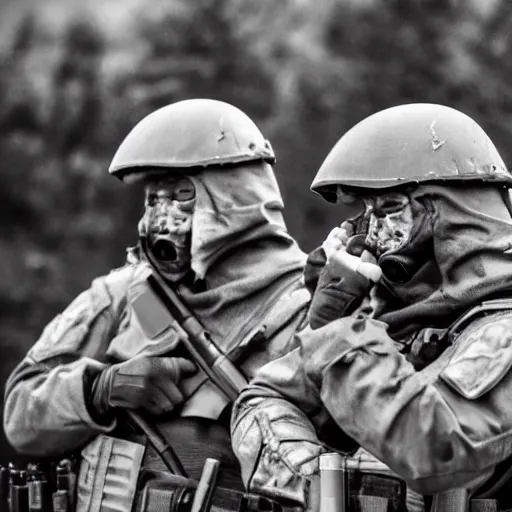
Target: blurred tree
x=62, y=220
x=18, y=110
x=194, y=51
x=76, y=105
x=487, y=92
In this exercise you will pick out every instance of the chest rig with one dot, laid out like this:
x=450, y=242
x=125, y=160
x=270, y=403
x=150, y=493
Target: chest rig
x=472, y=358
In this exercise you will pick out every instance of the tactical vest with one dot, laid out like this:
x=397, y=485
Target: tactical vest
x=449, y=367
x=367, y=490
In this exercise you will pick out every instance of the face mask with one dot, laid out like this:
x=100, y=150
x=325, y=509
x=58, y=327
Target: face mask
x=390, y=222
x=166, y=226
x=395, y=231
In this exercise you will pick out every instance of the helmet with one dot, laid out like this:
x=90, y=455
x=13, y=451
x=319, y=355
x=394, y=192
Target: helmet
x=191, y=133
x=410, y=144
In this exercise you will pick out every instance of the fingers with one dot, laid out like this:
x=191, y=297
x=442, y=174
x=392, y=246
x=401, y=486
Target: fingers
x=176, y=368
x=165, y=397
x=331, y=244
x=148, y=382
x=186, y=366
x=164, y=394
x=348, y=227
x=365, y=268
x=370, y=271
x=336, y=239
x=342, y=234
x=368, y=257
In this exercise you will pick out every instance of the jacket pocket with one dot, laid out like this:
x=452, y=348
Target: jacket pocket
x=483, y=356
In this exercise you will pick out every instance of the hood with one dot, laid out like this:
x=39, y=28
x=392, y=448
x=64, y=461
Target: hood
x=242, y=255
x=233, y=207
x=468, y=259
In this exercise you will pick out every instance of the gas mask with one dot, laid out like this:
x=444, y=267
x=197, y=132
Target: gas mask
x=390, y=222
x=165, y=229
x=393, y=228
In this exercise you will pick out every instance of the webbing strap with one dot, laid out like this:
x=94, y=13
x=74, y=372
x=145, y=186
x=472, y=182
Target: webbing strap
x=157, y=499
x=373, y=504
x=231, y=500
x=454, y=500
x=483, y=505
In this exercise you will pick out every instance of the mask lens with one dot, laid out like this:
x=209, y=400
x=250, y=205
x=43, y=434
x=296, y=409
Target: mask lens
x=184, y=191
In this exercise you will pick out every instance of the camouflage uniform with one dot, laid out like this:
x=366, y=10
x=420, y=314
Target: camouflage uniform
x=419, y=374
x=247, y=292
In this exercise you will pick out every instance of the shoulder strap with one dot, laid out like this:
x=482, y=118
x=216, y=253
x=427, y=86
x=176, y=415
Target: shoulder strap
x=484, y=308
x=430, y=342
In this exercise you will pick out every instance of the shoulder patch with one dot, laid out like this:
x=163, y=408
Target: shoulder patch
x=482, y=357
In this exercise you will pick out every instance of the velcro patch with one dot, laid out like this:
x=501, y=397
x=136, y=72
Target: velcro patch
x=482, y=358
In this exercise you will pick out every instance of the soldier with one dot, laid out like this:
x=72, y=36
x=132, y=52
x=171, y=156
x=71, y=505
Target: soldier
x=212, y=230
x=415, y=367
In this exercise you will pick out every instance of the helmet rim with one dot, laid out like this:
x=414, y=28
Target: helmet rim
x=410, y=144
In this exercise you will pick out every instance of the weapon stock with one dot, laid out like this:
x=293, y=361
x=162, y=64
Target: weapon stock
x=205, y=352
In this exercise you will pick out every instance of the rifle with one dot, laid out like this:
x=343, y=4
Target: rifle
x=201, y=347
x=203, y=350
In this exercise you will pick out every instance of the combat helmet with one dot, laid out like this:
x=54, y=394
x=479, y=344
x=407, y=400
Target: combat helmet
x=195, y=133
x=412, y=143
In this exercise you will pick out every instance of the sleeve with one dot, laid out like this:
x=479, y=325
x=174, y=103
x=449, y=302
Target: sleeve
x=45, y=411
x=426, y=428
x=273, y=439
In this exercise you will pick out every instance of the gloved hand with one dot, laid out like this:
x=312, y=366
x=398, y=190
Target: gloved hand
x=149, y=383
x=337, y=239
x=343, y=282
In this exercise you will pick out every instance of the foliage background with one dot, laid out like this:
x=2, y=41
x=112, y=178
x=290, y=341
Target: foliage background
x=75, y=78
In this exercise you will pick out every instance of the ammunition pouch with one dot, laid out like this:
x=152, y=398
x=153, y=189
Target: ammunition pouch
x=111, y=477
x=109, y=470
x=374, y=492
x=361, y=483
x=163, y=492
x=458, y=500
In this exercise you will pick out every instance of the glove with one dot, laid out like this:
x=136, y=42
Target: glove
x=340, y=238
x=149, y=383
x=342, y=285
x=337, y=239
x=339, y=274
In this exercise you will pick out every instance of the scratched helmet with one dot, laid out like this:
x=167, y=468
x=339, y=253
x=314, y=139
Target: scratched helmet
x=190, y=135
x=414, y=143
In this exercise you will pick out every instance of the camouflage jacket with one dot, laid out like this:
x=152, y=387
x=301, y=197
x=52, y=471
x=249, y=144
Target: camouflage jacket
x=45, y=413
x=447, y=426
